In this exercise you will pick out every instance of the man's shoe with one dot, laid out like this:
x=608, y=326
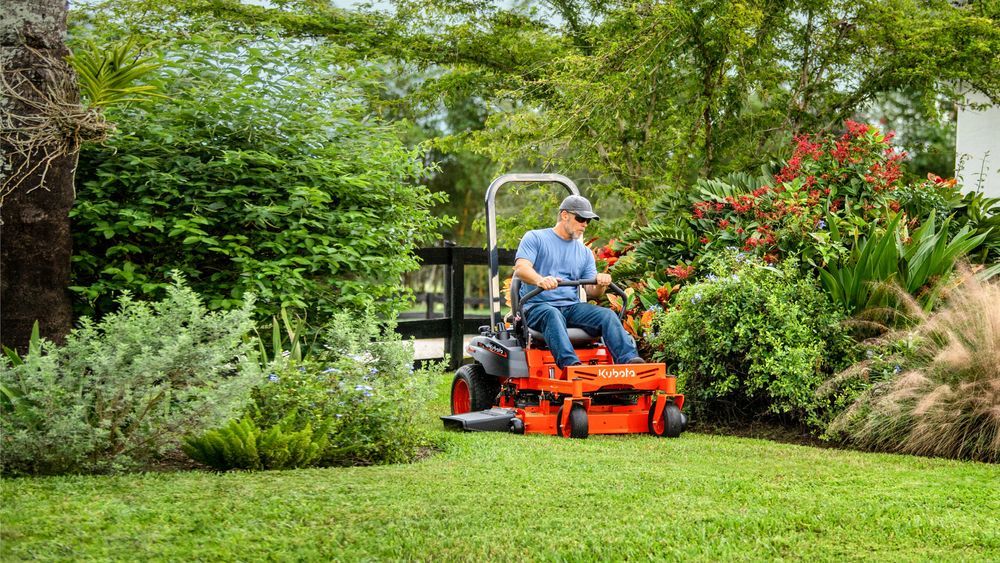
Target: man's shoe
x=636, y=360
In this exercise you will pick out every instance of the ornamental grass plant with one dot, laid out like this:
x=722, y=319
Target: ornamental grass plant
x=944, y=399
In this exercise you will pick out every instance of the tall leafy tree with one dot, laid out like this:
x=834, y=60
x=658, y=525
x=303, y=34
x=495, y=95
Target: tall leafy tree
x=666, y=92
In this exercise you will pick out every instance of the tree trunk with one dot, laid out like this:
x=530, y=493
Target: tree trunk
x=35, y=243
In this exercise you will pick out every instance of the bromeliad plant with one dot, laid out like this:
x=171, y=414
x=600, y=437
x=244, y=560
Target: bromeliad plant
x=649, y=296
x=919, y=261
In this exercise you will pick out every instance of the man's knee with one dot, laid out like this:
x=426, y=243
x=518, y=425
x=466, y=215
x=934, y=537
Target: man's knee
x=543, y=317
x=608, y=316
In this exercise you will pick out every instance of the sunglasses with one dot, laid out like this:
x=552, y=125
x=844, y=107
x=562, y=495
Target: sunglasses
x=579, y=219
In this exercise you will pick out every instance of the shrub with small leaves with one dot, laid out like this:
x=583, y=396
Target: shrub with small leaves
x=123, y=391
x=751, y=339
x=357, y=385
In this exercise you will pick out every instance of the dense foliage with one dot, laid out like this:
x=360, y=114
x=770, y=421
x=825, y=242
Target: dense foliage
x=657, y=94
x=714, y=130
x=749, y=340
x=259, y=173
x=837, y=212
x=639, y=98
x=124, y=390
x=352, y=399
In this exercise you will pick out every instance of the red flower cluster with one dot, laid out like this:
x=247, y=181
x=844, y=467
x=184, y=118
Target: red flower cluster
x=822, y=170
x=940, y=182
x=855, y=129
x=611, y=252
x=680, y=271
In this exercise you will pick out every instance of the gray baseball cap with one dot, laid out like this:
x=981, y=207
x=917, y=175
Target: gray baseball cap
x=578, y=205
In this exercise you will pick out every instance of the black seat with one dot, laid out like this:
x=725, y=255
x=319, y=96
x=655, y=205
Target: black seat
x=577, y=336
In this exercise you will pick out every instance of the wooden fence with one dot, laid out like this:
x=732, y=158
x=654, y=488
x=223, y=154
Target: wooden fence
x=454, y=325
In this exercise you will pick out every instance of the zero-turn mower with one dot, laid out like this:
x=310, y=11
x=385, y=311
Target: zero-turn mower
x=515, y=385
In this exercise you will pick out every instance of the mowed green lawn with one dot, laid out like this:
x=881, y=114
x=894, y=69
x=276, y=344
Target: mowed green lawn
x=506, y=497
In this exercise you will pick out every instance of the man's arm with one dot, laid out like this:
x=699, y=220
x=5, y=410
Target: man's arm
x=525, y=270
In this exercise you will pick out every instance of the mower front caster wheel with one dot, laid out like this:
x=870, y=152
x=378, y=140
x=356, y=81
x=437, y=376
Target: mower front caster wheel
x=579, y=427
x=670, y=425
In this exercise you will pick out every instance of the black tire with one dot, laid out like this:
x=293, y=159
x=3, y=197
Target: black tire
x=672, y=423
x=579, y=427
x=478, y=389
x=517, y=426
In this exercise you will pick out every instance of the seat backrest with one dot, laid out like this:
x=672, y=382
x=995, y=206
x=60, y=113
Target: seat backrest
x=577, y=336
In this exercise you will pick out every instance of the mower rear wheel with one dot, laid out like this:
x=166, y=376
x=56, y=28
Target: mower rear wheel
x=670, y=425
x=473, y=390
x=579, y=426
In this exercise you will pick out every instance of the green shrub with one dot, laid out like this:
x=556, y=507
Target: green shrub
x=126, y=389
x=982, y=215
x=261, y=173
x=243, y=445
x=751, y=340
x=943, y=397
x=357, y=385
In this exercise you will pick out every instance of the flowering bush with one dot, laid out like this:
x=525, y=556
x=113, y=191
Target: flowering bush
x=750, y=339
x=853, y=175
x=933, y=195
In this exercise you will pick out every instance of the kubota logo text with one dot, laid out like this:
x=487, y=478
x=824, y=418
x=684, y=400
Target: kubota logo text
x=615, y=372
x=494, y=348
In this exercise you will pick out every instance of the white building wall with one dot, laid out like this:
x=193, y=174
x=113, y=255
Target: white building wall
x=977, y=146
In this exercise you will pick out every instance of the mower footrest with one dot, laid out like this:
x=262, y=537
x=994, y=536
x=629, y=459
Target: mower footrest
x=493, y=420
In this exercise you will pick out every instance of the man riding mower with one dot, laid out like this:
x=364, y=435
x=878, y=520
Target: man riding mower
x=563, y=379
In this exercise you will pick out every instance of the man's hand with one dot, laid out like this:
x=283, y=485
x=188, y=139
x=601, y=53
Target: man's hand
x=548, y=282
x=524, y=270
x=598, y=289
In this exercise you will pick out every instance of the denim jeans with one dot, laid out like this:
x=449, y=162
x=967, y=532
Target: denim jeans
x=552, y=322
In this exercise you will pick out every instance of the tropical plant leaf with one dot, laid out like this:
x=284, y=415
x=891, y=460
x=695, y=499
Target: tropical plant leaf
x=110, y=74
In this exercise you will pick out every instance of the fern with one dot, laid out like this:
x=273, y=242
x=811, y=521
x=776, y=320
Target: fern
x=730, y=185
x=243, y=445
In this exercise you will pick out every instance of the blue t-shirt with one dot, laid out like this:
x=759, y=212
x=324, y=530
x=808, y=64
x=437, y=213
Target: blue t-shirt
x=552, y=255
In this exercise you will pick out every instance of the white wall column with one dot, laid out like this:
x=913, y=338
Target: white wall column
x=977, y=146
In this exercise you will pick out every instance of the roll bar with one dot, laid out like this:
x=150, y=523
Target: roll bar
x=491, y=228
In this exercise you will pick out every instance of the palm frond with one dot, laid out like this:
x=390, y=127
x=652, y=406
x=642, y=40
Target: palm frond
x=110, y=75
